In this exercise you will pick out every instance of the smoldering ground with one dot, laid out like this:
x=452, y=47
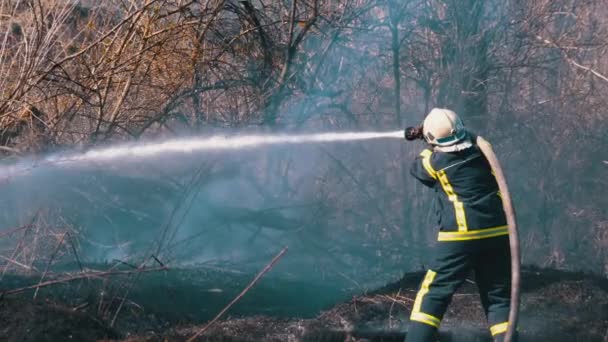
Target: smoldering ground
x=556, y=306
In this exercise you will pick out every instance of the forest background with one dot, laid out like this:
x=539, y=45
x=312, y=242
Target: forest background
x=530, y=76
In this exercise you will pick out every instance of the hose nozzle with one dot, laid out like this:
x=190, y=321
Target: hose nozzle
x=413, y=133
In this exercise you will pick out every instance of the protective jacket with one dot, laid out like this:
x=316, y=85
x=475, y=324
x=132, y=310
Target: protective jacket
x=468, y=205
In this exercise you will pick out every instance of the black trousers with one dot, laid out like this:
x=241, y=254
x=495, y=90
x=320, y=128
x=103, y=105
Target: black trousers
x=452, y=261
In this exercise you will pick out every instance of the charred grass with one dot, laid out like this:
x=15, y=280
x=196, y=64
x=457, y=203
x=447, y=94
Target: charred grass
x=172, y=305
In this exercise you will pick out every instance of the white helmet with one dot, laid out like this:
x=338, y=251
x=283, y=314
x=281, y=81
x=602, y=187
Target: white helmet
x=442, y=127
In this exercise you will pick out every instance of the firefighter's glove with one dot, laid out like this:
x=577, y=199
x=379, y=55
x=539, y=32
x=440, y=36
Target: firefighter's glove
x=413, y=133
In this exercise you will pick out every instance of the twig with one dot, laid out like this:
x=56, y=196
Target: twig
x=102, y=294
x=15, y=262
x=351, y=280
x=571, y=60
x=237, y=298
x=120, y=262
x=158, y=261
x=129, y=288
x=32, y=245
x=26, y=229
x=10, y=150
x=97, y=274
x=395, y=299
x=122, y=303
x=3, y=234
x=74, y=251
x=48, y=265
x=390, y=311
x=81, y=306
x=14, y=253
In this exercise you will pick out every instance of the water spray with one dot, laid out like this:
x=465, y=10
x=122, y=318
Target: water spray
x=191, y=145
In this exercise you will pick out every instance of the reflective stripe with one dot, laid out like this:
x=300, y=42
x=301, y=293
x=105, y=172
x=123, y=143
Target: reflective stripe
x=424, y=289
x=417, y=315
x=426, y=162
x=425, y=318
x=473, y=234
x=461, y=219
x=499, y=328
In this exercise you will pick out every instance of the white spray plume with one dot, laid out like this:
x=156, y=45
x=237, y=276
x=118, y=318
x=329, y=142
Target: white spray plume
x=189, y=145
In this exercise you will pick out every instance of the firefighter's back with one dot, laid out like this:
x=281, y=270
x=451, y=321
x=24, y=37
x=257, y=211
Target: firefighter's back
x=469, y=202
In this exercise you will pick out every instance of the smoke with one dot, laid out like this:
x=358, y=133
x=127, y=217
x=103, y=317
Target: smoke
x=337, y=206
x=229, y=200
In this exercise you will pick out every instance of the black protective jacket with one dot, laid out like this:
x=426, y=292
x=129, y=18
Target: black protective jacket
x=469, y=206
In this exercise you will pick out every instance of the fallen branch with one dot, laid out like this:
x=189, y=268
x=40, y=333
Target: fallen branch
x=237, y=298
x=95, y=274
x=3, y=234
x=10, y=150
x=15, y=262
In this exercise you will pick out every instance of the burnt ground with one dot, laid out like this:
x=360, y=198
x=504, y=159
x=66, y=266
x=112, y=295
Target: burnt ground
x=26, y=320
x=556, y=306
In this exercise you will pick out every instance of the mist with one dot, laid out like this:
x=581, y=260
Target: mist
x=216, y=208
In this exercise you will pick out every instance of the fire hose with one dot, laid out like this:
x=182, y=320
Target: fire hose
x=414, y=133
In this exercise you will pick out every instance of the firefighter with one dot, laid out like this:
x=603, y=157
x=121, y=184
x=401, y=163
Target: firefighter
x=473, y=231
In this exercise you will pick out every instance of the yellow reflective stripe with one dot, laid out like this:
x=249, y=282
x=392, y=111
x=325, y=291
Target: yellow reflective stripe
x=499, y=328
x=426, y=162
x=425, y=318
x=424, y=289
x=473, y=234
x=461, y=219
x=417, y=315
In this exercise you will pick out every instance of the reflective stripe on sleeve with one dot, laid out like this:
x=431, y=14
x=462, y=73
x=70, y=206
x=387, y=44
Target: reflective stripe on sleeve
x=426, y=162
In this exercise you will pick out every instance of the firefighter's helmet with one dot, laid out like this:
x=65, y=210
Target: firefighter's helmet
x=442, y=127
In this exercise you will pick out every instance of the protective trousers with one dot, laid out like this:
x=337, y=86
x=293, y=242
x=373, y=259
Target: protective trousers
x=453, y=260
